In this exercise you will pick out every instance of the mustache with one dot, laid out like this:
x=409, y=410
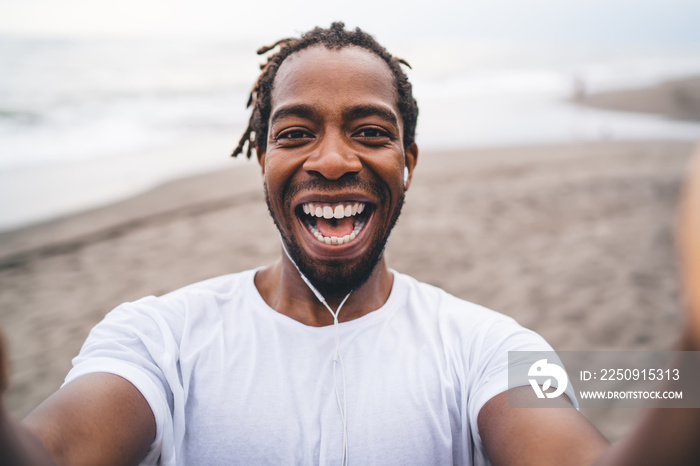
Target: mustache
x=323, y=185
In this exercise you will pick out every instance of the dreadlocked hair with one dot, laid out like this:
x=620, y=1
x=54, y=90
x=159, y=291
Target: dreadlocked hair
x=333, y=38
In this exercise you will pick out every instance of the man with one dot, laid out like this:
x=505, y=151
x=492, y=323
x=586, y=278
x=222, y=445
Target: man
x=327, y=356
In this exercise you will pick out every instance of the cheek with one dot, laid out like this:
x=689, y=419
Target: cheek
x=280, y=170
x=389, y=170
x=285, y=161
x=277, y=172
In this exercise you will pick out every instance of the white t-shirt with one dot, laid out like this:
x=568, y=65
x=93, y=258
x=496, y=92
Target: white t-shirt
x=232, y=381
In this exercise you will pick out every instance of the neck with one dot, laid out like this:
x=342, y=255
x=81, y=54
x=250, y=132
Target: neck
x=283, y=289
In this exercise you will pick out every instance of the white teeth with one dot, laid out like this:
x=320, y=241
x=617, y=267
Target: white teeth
x=338, y=211
x=359, y=224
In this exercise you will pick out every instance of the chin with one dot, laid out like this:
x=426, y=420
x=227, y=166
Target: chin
x=336, y=268
x=337, y=277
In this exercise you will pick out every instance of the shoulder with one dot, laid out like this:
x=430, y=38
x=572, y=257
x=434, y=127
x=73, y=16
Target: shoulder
x=199, y=295
x=439, y=304
x=223, y=286
x=469, y=329
x=172, y=312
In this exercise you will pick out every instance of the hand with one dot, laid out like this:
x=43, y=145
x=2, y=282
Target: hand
x=689, y=244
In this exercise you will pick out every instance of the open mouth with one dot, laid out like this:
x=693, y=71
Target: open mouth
x=337, y=223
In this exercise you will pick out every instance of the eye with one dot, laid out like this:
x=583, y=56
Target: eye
x=294, y=134
x=372, y=135
x=293, y=137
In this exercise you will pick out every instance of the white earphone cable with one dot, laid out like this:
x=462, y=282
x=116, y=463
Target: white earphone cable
x=342, y=406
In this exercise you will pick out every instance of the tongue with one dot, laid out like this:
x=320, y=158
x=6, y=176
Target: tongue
x=335, y=226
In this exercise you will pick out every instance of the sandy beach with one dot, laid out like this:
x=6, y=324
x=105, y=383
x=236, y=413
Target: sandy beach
x=572, y=240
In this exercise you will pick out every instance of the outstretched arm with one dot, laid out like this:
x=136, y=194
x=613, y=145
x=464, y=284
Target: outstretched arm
x=18, y=445
x=556, y=436
x=670, y=436
x=562, y=436
x=96, y=419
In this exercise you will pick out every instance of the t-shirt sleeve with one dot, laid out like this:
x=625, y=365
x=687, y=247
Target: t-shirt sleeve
x=137, y=342
x=489, y=364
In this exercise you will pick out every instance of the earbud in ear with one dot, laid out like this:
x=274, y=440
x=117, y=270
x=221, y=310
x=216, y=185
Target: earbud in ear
x=405, y=175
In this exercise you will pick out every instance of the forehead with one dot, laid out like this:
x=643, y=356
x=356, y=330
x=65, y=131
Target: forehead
x=351, y=74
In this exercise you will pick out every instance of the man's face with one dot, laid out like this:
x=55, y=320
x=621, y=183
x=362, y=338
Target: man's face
x=334, y=163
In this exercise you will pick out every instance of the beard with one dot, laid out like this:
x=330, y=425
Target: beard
x=337, y=277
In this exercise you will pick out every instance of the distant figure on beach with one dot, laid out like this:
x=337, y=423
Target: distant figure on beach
x=578, y=86
x=327, y=356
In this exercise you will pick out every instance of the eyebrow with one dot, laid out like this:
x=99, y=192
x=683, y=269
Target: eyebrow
x=362, y=111
x=352, y=113
x=299, y=110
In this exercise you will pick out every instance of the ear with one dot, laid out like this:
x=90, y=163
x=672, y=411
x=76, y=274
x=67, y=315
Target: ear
x=411, y=159
x=260, y=154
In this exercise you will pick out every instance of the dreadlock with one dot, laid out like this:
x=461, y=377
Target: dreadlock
x=333, y=38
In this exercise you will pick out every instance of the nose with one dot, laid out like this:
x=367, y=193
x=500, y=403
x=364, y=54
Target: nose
x=333, y=158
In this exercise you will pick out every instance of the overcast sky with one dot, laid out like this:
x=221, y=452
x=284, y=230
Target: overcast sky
x=664, y=23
